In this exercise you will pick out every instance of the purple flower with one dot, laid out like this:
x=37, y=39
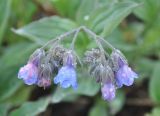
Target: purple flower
x=123, y=73
x=108, y=91
x=125, y=76
x=66, y=77
x=28, y=73
x=67, y=74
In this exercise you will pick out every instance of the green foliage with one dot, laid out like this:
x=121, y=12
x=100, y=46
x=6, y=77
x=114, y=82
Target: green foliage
x=11, y=61
x=139, y=40
x=146, y=67
x=148, y=11
x=18, y=8
x=99, y=109
x=20, y=96
x=117, y=104
x=107, y=17
x=67, y=8
x=31, y=108
x=47, y=28
x=4, y=7
x=154, y=84
x=3, y=109
x=84, y=10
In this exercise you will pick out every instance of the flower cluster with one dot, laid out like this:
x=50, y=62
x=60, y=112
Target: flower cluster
x=110, y=70
x=44, y=64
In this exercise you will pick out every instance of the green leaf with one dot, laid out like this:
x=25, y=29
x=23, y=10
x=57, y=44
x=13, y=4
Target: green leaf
x=10, y=62
x=145, y=66
x=88, y=7
x=31, y=108
x=87, y=86
x=148, y=11
x=66, y=8
x=9, y=83
x=85, y=9
x=99, y=109
x=4, y=109
x=18, y=8
x=118, y=41
x=154, y=84
x=108, y=17
x=16, y=54
x=117, y=104
x=5, y=12
x=45, y=29
x=151, y=41
x=20, y=96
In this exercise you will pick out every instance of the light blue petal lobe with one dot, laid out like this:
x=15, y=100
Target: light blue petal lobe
x=56, y=80
x=125, y=76
x=29, y=74
x=66, y=77
x=65, y=84
x=108, y=91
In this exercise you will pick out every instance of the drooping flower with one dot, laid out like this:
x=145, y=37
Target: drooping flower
x=44, y=76
x=124, y=75
x=66, y=76
x=100, y=69
x=45, y=71
x=108, y=88
x=29, y=74
x=108, y=91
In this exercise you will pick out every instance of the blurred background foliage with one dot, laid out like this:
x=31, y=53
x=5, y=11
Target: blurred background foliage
x=132, y=26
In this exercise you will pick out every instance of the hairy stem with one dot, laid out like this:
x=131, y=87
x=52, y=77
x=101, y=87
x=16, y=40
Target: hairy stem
x=74, y=38
x=60, y=37
x=76, y=32
x=106, y=42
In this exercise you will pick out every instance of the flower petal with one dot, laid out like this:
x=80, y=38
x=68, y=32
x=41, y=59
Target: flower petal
x=125, y=76
x=29, y=74
x=66, y=77
x=108, y=91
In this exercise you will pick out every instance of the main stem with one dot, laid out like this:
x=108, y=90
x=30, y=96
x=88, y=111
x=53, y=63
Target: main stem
x=76, y=32
x=94, y=37
x=61, y=37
